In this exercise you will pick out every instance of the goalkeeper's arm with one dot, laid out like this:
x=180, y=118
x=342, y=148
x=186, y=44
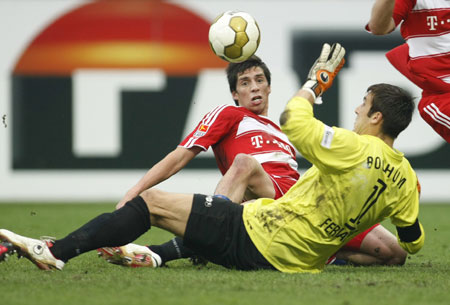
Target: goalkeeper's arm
x=411, y=238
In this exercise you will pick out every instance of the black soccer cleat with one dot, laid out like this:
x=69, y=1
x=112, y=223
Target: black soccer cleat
x=6, y=249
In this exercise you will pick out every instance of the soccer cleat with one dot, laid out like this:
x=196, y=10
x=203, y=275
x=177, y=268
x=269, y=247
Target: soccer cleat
x=37, y=251
x=6, y=249
x=130, y=255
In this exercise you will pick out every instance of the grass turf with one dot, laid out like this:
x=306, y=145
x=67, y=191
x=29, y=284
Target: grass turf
x=425, y=279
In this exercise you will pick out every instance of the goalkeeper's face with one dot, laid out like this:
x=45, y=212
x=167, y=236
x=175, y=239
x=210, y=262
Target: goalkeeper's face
x=252, y=91
x=362, y=120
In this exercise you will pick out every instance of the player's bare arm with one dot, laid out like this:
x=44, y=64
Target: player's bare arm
x=164, y=169
x=381, y=21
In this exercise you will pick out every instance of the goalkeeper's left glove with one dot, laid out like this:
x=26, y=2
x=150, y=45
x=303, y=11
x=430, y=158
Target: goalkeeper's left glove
x=325, y=69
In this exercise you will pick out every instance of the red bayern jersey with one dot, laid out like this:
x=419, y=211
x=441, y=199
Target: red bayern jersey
x=425, y=58
x=231, y=130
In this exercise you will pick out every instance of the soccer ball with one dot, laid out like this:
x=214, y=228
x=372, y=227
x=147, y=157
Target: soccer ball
x=234, y=36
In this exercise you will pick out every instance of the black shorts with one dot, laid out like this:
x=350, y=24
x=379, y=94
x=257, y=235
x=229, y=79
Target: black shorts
x=215, y=230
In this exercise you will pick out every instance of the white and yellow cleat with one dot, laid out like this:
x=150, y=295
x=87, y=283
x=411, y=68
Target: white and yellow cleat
x=35, y=250
x=130, y=255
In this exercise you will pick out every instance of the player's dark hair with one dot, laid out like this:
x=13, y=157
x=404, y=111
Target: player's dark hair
x=235, y=69
x=396, y=105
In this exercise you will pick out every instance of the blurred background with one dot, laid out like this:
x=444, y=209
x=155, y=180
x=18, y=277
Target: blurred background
x=93, y=93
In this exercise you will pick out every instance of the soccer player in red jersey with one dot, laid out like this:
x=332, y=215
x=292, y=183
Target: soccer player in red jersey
x=252, y=153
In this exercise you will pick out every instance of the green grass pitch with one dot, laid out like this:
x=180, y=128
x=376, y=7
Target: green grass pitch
x=425, y=279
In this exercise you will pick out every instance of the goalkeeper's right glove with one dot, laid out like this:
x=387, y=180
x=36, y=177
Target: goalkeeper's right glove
x=325, y=69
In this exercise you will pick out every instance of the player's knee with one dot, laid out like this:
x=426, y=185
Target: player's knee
x=243, y=163
x=152, y=197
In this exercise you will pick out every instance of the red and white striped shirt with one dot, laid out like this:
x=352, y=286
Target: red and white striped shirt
x=231, y=130
x=425, y=58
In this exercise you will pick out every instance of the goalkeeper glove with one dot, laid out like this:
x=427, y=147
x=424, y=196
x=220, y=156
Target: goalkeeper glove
x=324, y=70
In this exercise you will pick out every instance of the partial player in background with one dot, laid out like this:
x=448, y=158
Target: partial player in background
x=425, y=57
x=340, y=196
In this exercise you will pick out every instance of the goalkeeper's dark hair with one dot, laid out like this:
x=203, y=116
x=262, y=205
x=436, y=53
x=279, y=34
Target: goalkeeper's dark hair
x=396, y=105
x=235, y=69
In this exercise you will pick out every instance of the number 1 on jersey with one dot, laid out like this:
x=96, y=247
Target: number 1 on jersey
x=371, y=200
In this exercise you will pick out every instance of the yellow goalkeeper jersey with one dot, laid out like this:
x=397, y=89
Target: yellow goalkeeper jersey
x=355, y=182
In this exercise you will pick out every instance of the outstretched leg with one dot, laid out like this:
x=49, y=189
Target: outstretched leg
x=165, y=210
x=245, y=178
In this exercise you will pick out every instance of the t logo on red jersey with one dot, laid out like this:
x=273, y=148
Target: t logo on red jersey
x=432, y=22
x=257, y=141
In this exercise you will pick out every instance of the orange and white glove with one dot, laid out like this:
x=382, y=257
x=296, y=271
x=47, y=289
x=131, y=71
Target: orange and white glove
x=324, y=70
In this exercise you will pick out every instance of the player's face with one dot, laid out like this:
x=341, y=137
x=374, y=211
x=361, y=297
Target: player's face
x=361, y=124
x=252, y=91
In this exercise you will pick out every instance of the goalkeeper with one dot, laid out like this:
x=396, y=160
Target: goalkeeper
x=357, y=179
